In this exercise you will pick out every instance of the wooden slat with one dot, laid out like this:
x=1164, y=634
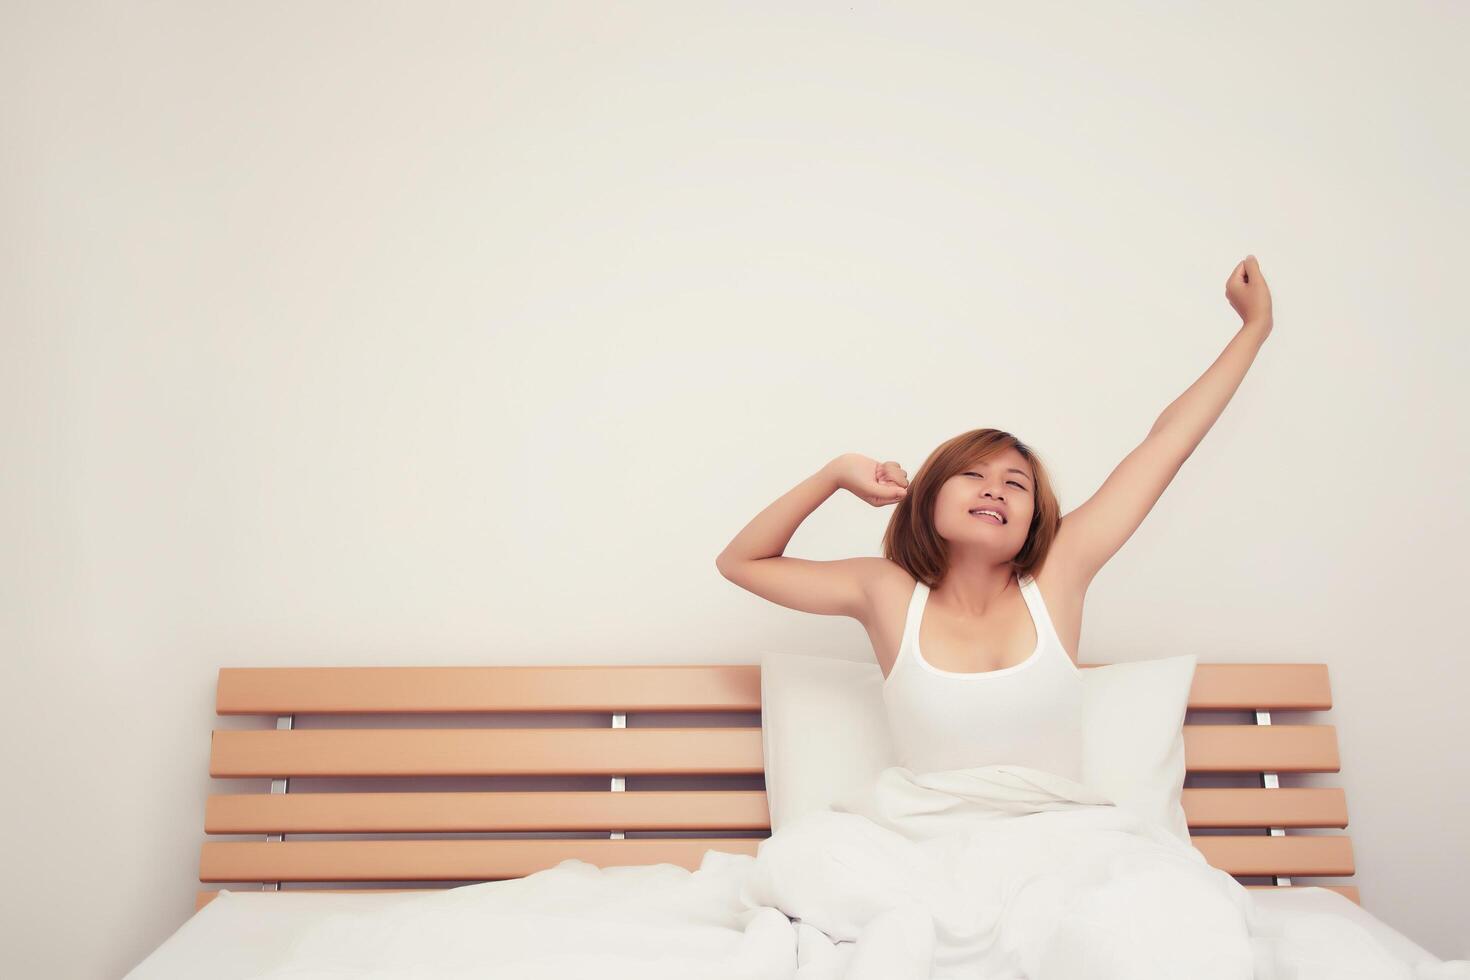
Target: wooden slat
x=439, y=860
x=356, y=813
x=1300, y=854
x=639, y=751
x=1264, y=687
x=664, y=687
x=429, y=860
x=606, y=689
x=1316, y=806
x=349, y=813
x=1260, y=748
x=485, y=752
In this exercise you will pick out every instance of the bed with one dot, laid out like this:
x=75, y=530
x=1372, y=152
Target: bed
x=632, y=765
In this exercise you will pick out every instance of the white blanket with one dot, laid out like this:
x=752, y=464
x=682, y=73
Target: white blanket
x=995, y=872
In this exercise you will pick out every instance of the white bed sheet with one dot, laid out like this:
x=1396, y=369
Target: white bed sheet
x=243, y=933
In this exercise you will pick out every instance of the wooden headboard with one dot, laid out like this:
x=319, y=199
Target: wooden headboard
x=603, y=747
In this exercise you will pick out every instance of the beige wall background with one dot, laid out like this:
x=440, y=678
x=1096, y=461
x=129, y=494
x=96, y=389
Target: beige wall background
x=470, y=333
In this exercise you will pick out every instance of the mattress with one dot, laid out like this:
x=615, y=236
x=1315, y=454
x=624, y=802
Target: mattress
x=243, y=933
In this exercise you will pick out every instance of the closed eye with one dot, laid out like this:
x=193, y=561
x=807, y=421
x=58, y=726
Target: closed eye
x=1011, y=482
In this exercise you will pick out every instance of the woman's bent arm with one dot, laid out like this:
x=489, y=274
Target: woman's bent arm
x=754, y=559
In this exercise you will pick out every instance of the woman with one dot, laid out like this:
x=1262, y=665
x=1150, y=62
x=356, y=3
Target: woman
x=979, y=543
x=983, y=574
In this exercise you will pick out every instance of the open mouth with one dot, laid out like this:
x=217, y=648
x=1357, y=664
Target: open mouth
x=985, y=514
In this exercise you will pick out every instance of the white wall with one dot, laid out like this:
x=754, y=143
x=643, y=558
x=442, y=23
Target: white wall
x=470, y=333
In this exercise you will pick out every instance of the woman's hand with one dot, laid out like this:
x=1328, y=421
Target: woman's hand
x=1247, y=292
x=878, y=483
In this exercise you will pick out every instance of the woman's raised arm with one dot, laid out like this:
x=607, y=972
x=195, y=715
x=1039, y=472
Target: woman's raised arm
x=1093, y=533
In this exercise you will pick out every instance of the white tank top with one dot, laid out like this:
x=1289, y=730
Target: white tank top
x=1028, y=714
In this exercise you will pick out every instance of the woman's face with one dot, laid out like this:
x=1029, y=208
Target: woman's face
x=1004, y=484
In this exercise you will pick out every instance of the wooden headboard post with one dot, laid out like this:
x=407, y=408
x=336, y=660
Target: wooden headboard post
x=283, y=723
x=1271, y=780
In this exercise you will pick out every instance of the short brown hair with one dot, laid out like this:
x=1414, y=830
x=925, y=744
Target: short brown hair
x=911, y=539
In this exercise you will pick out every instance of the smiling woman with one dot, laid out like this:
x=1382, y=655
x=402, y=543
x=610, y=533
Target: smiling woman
x=984, y=469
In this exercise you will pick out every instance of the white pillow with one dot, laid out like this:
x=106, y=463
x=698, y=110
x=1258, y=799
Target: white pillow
x=824, y=730
x=1133, y=735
